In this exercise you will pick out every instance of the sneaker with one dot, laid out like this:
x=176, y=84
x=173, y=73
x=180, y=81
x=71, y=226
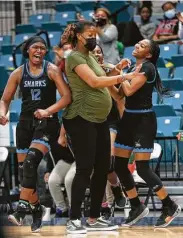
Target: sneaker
x=136, y=214
x=37, y=215
x=106, y=212
x=60, y=213
x=75, y=227
x=168, y=215
x=18, y=216
x=101, y=224
x=120, y=200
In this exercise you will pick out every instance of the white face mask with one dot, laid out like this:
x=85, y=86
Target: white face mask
x=67, y=53
x=170, y=13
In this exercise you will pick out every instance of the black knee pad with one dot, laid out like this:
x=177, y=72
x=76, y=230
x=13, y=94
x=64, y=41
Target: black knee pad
x=146, y=173
x=124, y=174
x=20, y=172
x=30, y=166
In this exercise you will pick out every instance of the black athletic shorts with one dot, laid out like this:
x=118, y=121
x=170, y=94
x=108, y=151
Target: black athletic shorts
x=44, y=131
x=137, y=131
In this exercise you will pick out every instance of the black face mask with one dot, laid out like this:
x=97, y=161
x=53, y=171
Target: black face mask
x=101, y=21
x=90, y=43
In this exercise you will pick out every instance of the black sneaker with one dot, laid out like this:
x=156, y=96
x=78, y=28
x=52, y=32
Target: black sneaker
x=18, y=216
x=120, y=200
x=168, y=214
x=105, y=212
x=101, y=224
x=37, y=215
x=136, y=214
x=75, y=227
x=59, y=213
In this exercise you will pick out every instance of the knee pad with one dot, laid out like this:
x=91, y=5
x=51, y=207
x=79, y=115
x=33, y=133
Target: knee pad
x=124, y=174
x=146, y=173
x=30, y=166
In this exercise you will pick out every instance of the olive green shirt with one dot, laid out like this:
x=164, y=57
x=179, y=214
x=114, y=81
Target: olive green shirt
x=92, y=104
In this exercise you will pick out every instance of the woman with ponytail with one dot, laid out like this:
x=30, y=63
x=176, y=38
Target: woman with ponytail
x=85, y=122
x=137, y=131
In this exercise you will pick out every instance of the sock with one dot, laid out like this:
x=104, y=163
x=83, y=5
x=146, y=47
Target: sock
x=135, y=202
x=167, y=202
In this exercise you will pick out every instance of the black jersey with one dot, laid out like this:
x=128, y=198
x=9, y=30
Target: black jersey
x=142, y=99
x=114, y=115
x=38, y=92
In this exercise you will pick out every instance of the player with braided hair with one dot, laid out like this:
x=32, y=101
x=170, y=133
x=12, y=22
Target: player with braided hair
x=137, y=131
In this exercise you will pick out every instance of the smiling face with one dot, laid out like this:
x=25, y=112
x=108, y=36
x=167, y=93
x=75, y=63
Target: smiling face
x=36, y=52
x=98, y=54
x=145, y=14
x=142, y=50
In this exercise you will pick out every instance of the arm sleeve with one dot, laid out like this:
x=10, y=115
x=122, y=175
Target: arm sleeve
x=75, y=59
x=149, y=71
x=110, y=34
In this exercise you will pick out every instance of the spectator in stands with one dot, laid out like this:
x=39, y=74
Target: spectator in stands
x=146, y=27
x=136, y=135
x=107, y=35
x=168, y=28
x=63, y=173
x=38, y=125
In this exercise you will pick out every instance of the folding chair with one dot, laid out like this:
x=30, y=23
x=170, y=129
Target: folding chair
x=5, y=198
x=140, y=183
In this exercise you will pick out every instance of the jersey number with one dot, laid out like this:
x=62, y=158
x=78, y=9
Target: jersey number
x=36, y=94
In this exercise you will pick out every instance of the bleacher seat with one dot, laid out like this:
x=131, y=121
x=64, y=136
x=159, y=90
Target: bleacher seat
x=163, y=72
x=52, y=26
x=4, y=78
x=167, y=50
x=177, y=60
x=175, y=101
x=7, y=49
x=25, y=28
x=22, y=37
x=174, y=84
x=178, y=73
x=38, y=19
x=154, y=98
x=87, y=9
x=164, y=110
x=88, y=15
x=168, y=125
x=54, y=37
x=6, y=39
x=16, y=105
x=67, y=6
x=64, y=17
x=7, y=60
x=154, y=18
x=161, y=63
x=128, y=53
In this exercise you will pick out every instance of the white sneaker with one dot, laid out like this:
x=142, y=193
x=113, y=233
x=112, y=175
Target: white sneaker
x=101, y=224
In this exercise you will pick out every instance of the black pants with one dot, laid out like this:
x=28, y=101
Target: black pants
x=91, y=147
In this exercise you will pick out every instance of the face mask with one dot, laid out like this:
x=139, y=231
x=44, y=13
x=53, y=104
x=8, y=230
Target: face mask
x=67, y=53
x=90, y=43
x=170, y=14
x=101, y=21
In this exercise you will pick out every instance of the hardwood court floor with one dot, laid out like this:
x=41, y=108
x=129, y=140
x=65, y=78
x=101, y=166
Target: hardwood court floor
x=59, y=232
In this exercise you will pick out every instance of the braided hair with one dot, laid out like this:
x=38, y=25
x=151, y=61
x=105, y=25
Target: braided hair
x=155, y=52
x=70, y=33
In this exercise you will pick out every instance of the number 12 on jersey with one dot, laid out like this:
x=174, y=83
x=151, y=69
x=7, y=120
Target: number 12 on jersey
x=36, y=94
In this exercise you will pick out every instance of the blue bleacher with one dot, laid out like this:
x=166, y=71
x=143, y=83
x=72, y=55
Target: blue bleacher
x=154, y=98
x=7, y=60
x=64, y=17
x=22, y=37
x=175, y=101
x=15, y=105
x=174, y=84
x=163, y=72
x=178, y=73
x=52, y=26
x=38, y=19
x=177, y=60
x=168, y=125
x=163, y=110
x=167, y=50
x=128, y=53
x=25, y=28
x=54, y=37
x=6, y=39
x=4, y=78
